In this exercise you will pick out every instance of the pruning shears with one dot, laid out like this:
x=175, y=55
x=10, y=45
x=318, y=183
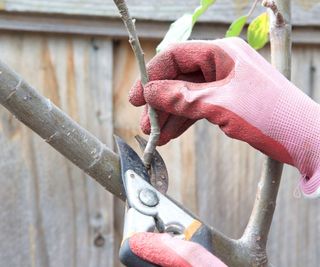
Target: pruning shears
x=149, y=209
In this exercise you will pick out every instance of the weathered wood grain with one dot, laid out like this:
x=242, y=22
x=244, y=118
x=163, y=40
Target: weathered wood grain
x=125, y=122
x=56, y=215
x=77, y=144
x=113, y=27
x=304, y=12
x=126, y=117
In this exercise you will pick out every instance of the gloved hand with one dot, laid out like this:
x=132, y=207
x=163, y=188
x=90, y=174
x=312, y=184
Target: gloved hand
x=231, y=85
x=166, y=251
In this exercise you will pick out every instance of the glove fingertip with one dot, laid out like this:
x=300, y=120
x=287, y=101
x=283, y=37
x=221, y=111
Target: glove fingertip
x=162, y=94
x=163, y=140
x=145, y=125
x=136, y=97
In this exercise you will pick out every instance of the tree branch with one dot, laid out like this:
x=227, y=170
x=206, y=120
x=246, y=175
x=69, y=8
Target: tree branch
x=252, y=8
x=257, y=230
x=60, y=131
x=136, y=47
x=278, y=17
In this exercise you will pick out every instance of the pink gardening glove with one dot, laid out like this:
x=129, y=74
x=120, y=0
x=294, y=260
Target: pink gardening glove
x=166, y=251
x=231, y=85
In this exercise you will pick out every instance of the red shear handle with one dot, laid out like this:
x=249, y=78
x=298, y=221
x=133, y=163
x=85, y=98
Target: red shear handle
x=130, y=259
x=196, y=232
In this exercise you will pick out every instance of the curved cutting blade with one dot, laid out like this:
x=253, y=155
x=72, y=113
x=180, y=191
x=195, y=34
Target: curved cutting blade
x=159, y=174
x=130, y=160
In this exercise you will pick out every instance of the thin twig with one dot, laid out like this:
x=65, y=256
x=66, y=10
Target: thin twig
x=136, y=47
x=253, y=7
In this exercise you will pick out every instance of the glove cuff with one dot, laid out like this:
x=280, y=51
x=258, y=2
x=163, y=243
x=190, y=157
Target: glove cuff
x=310, y=187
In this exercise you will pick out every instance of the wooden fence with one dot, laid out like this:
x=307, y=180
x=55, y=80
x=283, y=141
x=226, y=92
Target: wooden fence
x=52, y=214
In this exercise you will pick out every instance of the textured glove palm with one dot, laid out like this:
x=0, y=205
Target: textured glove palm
x=231, y=85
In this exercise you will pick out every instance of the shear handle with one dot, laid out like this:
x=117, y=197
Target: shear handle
x=129, y=259
x=135, y=222
x=169, y=216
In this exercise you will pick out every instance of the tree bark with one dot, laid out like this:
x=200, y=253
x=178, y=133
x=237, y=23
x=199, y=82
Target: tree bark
x=60, y=131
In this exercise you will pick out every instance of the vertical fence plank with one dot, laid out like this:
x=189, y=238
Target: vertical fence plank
x=66, y=219
x=126, y=117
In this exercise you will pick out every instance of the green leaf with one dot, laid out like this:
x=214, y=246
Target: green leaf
x=204, y=5
x=236, y=27
x=258, y=31
x=179, y=31
x=207, y=3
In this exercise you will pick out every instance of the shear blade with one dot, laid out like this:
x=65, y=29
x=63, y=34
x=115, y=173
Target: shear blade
x=159, y=174
x=130, y=160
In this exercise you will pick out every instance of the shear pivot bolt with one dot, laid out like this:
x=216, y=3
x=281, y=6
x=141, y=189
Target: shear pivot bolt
x=148, y=197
